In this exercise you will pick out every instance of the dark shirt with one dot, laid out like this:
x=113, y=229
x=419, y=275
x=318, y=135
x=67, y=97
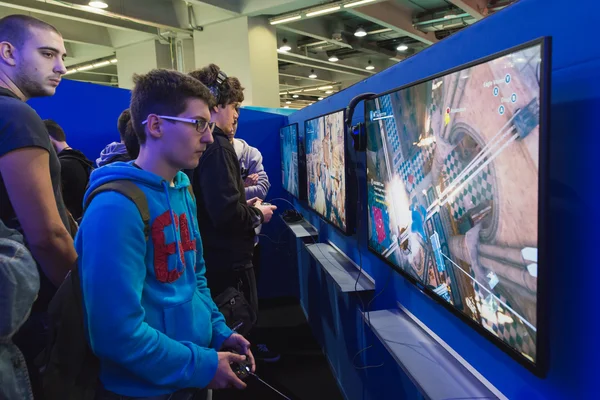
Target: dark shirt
x=21, y=127
x=226, y=221
x=75, y=174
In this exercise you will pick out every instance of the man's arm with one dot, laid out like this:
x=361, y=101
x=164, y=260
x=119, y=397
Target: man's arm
x=261, y=189
x=220, y=192
x=113, y=258
x=26, y=176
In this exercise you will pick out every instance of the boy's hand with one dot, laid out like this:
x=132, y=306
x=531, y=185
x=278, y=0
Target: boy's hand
x=239, y=343
x=251, y=180
x=225, y=377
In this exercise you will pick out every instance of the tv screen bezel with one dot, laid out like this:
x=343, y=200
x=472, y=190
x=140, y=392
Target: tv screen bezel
x=540, y=367
x=348, y=230
x=299, y=197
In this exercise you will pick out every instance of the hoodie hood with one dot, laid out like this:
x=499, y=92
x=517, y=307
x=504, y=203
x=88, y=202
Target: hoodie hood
x=110, y=151
x=127, y=171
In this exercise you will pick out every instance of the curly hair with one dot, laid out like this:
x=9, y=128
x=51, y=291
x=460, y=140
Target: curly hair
x=228, y=92
x=163, y=92
x=127, y=134
x=55, y=130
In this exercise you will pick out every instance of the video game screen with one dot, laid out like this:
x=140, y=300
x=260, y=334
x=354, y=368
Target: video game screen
x=326, y=167
x=452, y=174
x=288, y=137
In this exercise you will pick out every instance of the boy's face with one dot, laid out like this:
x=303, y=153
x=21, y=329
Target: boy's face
x=40, y=63
x=183, y=144
x=226, y=117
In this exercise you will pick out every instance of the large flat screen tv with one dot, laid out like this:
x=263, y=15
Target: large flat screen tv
x=456, y=175
x=290, y=176
x=326, y=174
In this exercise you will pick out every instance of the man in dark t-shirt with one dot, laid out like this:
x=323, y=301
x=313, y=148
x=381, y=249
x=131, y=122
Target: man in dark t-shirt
x=32, y=56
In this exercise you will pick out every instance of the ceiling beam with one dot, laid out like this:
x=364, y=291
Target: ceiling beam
x=314, y=29
x=323, y=64
x=71, y=31
x=303, y=77
x=475, y=8
x=227, y=5
x=73, y=14
x=396, y=18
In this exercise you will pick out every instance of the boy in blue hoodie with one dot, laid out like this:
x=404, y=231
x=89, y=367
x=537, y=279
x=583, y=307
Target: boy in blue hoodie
x=149, y=316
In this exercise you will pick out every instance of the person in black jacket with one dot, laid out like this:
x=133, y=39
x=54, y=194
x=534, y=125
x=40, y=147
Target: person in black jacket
x=75, y=169
x=227, y=220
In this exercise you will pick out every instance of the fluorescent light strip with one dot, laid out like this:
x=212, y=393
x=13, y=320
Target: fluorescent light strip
x=325, y=87
x=289, y=19
x=85, y=68
x=323, y=11
x=114, y=61
x=357, y=3
x=101, y=64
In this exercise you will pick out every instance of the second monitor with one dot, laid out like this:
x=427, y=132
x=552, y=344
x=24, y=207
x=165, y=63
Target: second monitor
x=326, y=172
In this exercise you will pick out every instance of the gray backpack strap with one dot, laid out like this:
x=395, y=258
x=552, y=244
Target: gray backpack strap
x=132, y=192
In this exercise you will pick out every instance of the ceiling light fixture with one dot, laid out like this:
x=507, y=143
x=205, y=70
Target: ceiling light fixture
x=85, y=68
x=325, y=87
x=311, y=90
x=295, y=96
x=402, y=47
x=113, y=61
x=286, y=107
x=70, y=71
x=101, y=64
x=334, y=59
x=329, y=92
x=357, y=3
x=360, y=32
x=323, y=11
x=312, y=74
x=288, y=102
x=285, y=47
x=98, y=4
x=370, y=66
x=320, y=98
x=283, y=20
x=450, y=16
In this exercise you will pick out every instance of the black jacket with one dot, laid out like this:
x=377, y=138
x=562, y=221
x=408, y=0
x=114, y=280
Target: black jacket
x=75, y=170
x=226, y=221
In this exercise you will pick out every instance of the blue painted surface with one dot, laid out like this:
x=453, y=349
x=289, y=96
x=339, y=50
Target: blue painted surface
x=574, y=216
x=89, y=113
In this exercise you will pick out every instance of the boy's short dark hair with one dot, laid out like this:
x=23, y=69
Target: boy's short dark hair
x=163, y=92
x=55, y=131
x=16, y=28
x=228, y=92
x=127, y=134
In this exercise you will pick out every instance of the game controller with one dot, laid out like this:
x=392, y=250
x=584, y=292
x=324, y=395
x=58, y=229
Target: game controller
x=292, y=216
x=241, y=369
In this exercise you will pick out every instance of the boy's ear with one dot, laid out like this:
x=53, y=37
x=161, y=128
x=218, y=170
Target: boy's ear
x=154, y=126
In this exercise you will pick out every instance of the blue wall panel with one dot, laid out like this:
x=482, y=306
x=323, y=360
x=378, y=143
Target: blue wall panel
x=573, y=184
x=87, y=112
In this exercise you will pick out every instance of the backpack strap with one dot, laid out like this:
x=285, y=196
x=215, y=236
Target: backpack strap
x=132, y=192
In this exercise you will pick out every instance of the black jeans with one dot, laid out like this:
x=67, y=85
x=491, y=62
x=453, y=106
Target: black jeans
x=186, y=394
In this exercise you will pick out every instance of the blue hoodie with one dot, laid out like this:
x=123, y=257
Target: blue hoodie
x=149, y=317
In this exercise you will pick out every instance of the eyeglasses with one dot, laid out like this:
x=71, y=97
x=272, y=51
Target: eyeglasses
x=201, y=125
